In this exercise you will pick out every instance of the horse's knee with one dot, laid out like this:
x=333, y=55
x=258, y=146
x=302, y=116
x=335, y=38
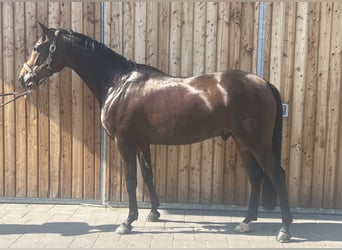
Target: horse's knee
x=147, y=175
x=131, y=185
x=255, y=176
x=279, y=175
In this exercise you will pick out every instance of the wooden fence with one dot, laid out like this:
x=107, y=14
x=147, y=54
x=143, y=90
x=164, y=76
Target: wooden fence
x=50, y=142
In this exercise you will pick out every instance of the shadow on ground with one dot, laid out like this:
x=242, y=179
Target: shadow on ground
x=300, y=231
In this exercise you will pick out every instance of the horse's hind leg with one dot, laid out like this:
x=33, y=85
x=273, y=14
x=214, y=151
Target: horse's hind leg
x=255, y=177
x=144, y=156
x=272, y=168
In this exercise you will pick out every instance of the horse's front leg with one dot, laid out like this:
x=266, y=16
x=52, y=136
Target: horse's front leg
x=128, y=154
x=144, y=156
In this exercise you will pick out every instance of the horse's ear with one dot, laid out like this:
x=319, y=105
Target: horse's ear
x=49, y=33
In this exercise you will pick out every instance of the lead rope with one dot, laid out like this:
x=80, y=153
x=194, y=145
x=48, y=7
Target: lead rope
x=16, y=96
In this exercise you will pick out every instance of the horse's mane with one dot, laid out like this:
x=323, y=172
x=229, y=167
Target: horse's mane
x=88, y=44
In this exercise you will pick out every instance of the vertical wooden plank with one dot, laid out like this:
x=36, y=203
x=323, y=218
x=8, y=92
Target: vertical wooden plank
x=334, y=108
x=20, y=106
x=116, y=173
x=229, y=174
x=183, y=174
x=337, y=75
x=211, y=38
x=151, y=59
x=174, y=69
x=276, y=53
x=254, y=50
x=247, y=35
x=161, y=178
x=115, y=39
x=175, y=39
x=230, y=152
x=198, y=68
x=222, y=36
x=54, y=115
x=234, y=42
x=88, y=115
x=115, y=22
x=187, y=34
x=152, y=33
x=127, y=51
x=218, y=166
x=65, y=117
x=97, y=120
x=310, y=105
x=287, y=82
x=9, y=109
x=43, y=122
x=109, y=153
x=164, y=36
x=199, y=35
x=246, y=61
x=268, y=40
x=128, y=30
x=246, y=58
x=323, y=82
x=171, y=169
x=298, y=103
x=140, y=57
x=160, y=171
x=185, y=70
x=77, y=113
x=254, y=54
x=234, y=186
x=222, y=64
x=140, y=32
x=210, y=66
x=2, y=179
x=32, y=111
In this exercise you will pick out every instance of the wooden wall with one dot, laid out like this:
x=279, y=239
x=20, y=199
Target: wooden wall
x=304, y=59
x=51, y=140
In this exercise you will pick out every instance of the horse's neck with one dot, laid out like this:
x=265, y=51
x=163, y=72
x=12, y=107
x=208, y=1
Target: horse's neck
x=95, y=71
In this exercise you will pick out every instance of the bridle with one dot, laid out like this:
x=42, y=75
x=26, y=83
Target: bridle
x=33, y=72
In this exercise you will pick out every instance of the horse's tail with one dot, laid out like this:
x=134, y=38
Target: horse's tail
x=269, y=192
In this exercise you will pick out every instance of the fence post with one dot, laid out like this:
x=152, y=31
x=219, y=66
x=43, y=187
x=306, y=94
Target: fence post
x=261, y=39
x=103, y=133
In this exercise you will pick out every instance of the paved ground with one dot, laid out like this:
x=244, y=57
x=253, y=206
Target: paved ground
x=74, y=226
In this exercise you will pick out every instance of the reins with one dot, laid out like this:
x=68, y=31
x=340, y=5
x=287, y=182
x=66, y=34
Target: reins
x=16, y=96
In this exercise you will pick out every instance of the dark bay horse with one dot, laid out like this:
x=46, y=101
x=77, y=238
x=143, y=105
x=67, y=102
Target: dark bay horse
x=141, y=105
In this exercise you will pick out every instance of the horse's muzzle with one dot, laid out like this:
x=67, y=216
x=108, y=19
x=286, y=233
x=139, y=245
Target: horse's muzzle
x=28, y=80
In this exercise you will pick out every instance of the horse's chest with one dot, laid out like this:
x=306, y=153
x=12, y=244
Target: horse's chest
x=115, y=115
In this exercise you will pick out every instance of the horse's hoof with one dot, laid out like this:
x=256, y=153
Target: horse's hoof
x=242, y=228
x=283, y=236
x=123, y=229
x=153, y=216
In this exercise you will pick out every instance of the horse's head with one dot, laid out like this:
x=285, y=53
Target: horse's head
x=43, y=61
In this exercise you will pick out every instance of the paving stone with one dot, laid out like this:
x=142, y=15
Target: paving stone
x=6, y=240
x=189, y=243
x=65, y=226
x=56, y=241
x=28, y=241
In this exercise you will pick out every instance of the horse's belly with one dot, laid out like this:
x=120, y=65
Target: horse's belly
x=186, y=131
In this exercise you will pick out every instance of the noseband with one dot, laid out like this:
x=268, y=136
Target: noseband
x=33, y=72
